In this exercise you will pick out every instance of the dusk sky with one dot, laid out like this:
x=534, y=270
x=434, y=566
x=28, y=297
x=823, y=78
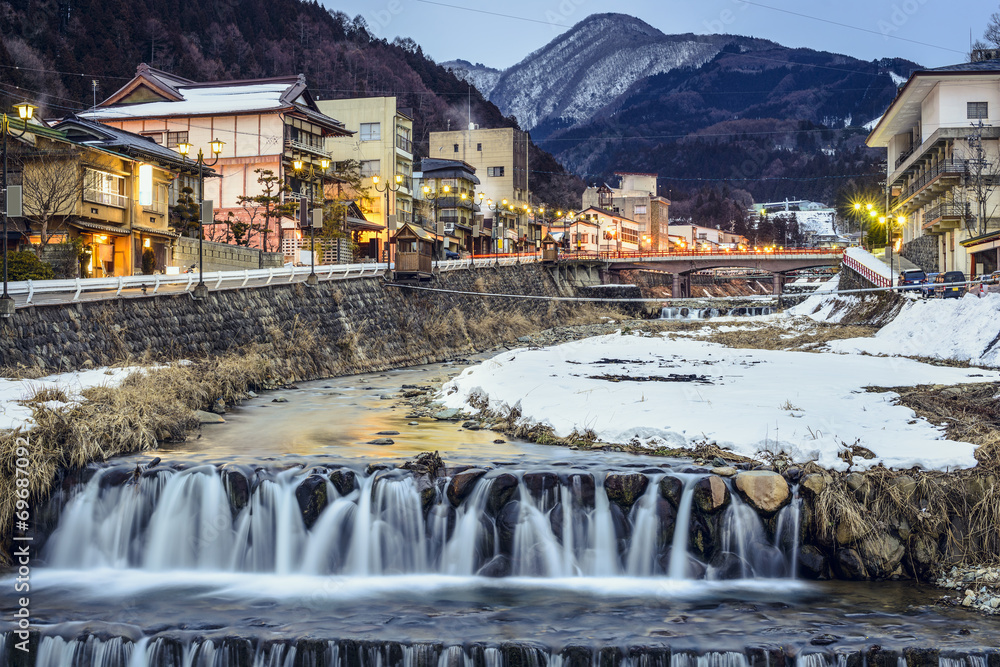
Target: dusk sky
x=499, y=34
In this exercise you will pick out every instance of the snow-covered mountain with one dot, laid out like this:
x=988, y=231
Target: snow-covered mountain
x=588, y=66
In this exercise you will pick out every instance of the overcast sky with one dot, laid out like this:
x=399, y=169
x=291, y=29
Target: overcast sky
x=499, y=34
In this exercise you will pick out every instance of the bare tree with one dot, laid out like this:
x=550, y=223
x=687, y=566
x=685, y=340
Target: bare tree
x=982, y=175
x=52, y=187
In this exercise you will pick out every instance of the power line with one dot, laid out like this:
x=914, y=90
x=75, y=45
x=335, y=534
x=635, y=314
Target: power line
x=506, y=16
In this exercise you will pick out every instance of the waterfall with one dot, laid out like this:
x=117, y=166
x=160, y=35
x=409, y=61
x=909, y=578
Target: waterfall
x=727, y=659
x=815, y=660
x=389, y=523
x=787, y=530
x=679, y=547
x=58, y=652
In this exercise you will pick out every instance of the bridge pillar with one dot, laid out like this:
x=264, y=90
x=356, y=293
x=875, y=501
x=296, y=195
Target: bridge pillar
x=682, y=286
x=777, y=283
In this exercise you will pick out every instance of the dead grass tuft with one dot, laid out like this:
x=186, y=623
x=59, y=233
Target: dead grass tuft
x=777, y=338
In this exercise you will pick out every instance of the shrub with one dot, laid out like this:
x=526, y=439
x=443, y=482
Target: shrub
x=24, y=265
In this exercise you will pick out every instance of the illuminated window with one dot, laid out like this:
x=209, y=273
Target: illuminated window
x=100, y=187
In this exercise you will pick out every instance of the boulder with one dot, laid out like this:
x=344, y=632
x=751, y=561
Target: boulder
x=311, y=496
x=848, y=565
x=344, y=480
x=812, y=563
x=507, y=520
x=582, y=488
x=451, y=414
x=882, y=554
x=461, y=485
x=208, y=417
x=541, y=485
x=498, y=566
x=723, y=471
x=503, y=490
x=765, y=491
x=813, y=485
x=672, y=488
x=710, y=494
x=624, y=489
x=923, y=555
x=237, y=486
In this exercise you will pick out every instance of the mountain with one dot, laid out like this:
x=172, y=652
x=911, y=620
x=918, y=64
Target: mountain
x=615, y=94
x=50, y=52
x=588, y=66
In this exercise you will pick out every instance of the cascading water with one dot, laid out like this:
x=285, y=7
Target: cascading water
x=687, y=313
x=386, y=525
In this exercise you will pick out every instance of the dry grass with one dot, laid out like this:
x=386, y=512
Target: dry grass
x=778, y=338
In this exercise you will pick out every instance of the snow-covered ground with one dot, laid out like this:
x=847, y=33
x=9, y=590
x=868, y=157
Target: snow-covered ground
x=14, y=414
x=806, y=405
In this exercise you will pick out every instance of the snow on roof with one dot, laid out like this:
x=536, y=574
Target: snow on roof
x=202, y=100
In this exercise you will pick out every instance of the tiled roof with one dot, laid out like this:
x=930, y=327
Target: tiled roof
x=981, y=66
x=92, y=133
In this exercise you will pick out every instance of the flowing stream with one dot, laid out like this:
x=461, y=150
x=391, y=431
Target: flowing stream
x=512, y=555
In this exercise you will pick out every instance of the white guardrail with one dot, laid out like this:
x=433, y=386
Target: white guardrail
x=231, y=279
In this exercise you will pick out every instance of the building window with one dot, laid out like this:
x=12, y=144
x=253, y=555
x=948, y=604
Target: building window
x=370, y=168
x=977, y=110
x=100, y=187
x=479, y=147
x=371, y=131
x=155, y=136
x=494, y=171
x=456, y=148
x=174, y=138
x=640, y=209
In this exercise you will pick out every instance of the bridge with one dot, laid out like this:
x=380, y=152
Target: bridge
x=682, y=264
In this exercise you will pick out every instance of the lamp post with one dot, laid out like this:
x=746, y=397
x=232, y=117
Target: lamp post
x=184, y=148
x=477, y=200
x=495, y=208
x=387, y=187
x=25, y=112
x=435, y=196
x=298, y=166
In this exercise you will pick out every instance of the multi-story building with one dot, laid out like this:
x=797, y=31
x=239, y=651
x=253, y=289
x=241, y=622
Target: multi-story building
x=447, y=192
x=697, y=238
x=636, y=198
x=941, y=134
x=104, y=186
x=615, y=233
x=265, y=124
x=500, y=158
x=383, y=145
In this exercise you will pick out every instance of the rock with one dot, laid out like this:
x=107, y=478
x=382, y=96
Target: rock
x=387, y=433
x=882, y=554
x=219, y=406
x=793, y=474
x=671, y=488
x=507, y=520
x=311, y=496
x=849, y=532
x=724, y=471
x=413, y=423
x=814, y=484
x=279, y=399
x=503, y=490
x=582, y=489
x=969, y=599
x=765, y=491
x=427, y=490
x=447, y=415
x=849, y=565
x=625, y=489
x=344, y=480
x=541, y=484
x=823, y=640
x=208, y=417
x=382, y=441
x=252, y=394
x=461, y=485
x=498, y=566
x=710, y=494
x=237, y=486
x=859, y=484
x=499, y=441
x=812, y=562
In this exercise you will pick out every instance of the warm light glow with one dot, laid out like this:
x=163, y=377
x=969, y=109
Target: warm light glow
x=297, y=165
x=464, y=196
x=870, y=206
x=446, y=189
x=399, y=178
x=427, y=189
x=901, y=220
x=763, y=211
x=25, y=111
x=217, y=146
x=489, y=202
x=881, y=219
x=146, y=243
x=184, y=148
x=325, y=163
x=872, y=213
x=857, y=206
x=559, y=213
x=504, y=202
x=101, y=239
x=145, y=185
x=375, y=179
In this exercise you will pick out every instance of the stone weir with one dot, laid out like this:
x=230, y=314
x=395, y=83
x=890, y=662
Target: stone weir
x=333, y=328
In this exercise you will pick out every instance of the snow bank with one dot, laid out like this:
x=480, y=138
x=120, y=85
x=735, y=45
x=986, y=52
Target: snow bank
x=869, y=265
x=805, y=405
x=12, y=392
x=824, y=305
x=966, y=329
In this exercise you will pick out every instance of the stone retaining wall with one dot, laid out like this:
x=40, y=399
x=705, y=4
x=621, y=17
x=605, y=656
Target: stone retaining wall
x=343, y=326
x=922, y=251
x=224, y=257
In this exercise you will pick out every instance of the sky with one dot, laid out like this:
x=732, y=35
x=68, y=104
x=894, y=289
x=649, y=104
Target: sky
x=499, y=34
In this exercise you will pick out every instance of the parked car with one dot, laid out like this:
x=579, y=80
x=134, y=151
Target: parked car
x=911, y=279
x=450, y=254
x=927, y=285
x=990, y=284
x=952, y=291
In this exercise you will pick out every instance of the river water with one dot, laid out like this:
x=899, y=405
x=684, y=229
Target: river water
x=270, y=541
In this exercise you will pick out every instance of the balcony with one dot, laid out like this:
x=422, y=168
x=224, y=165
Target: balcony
x=96, y=196
x=159, y=207
x=404, y=144
x=304, y=147
x=943, y=169
x=902, y=156
x=942, y=217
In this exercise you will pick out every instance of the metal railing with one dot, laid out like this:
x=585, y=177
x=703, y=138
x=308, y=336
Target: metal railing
x=943, y=211
x=151, y=285
x=943, y=168
x=305, y=147
x=95, y=196
x=404, y=144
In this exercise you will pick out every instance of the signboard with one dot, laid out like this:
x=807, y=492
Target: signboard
x=207, y=212
x=317, y=218
x=392, y=222
x=14, y=199
x=145, y=185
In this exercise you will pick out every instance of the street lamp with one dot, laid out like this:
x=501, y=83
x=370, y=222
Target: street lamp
x=436, y=196
x=387, y=187
x=25, y=112
x=307, y=214
x=478, y=200
x=184, y=148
